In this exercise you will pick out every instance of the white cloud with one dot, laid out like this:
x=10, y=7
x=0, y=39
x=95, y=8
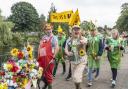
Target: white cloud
x=104, y=11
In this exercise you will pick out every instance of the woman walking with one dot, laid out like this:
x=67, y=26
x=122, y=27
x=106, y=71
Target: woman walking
x=114, y=47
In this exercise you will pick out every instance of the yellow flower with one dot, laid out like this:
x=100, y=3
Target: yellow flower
x=14, y=52
x=32, y=66
x=30, y=56
x=25, y=81
x=29, y=48
x=82, y=52
x=40, y=72
x=9, y=66
x=3, y=86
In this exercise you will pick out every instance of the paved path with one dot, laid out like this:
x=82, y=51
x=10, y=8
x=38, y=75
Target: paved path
x=102, y=83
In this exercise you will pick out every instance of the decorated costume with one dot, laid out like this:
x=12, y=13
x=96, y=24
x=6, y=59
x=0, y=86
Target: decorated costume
x=95, y=50
x=45, y=57
x=60, y=55
x=114, y=47
x=75, y=49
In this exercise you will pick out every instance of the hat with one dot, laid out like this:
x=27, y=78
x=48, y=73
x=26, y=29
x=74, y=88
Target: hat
x=60, y=30
x=91, y=26
x=47, y=26
x=76, y=27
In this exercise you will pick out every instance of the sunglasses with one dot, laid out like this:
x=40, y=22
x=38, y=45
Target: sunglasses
x=76, y=29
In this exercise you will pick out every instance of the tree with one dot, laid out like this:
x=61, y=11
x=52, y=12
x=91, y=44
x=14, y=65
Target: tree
x=52, y=10
x=0, y=16
x=25, y=17
x=122, y=22
x=124, y=8
x=42, y=20
x=5, y=32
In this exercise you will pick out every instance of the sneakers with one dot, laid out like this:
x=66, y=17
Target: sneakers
x=96, y=78
x=62, y=73
x=113, y=83
x=112, y=79
x=89, y=84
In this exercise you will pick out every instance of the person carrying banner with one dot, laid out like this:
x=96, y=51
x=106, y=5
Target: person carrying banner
x=75, y=48
x=47, y=51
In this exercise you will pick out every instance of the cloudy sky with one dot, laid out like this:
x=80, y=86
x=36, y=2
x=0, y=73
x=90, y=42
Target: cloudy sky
x=102, y=11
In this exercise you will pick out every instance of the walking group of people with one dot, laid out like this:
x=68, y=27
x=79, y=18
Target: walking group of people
x=83, y=52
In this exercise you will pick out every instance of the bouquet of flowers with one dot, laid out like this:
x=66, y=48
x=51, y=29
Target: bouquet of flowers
x=19, y=69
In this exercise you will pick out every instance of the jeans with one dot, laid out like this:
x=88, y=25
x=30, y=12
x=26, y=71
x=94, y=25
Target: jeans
x=11, y=87
x=90, y=74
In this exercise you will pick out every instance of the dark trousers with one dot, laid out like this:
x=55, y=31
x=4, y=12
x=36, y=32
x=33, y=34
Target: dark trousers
x=56, y=67
x=114, y=73
x=70, y=70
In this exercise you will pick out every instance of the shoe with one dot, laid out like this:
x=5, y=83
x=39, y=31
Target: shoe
x=68, y=78
x=44, y=87
x=94, y=71
x=112, y=79
x=77, y=85
x=63, y=73
x=49, y=86
x=96, y=78
x=113, y=83
x=89, y=84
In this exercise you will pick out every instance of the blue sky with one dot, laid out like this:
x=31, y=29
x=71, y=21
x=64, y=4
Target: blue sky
x=102, y=11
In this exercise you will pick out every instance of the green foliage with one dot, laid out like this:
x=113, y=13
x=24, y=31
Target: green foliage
x=85, y=25
x=42, y=22
x=17, y=40
x=52, y=10
x=122, y=22
x=5, y=33
x=25, y=17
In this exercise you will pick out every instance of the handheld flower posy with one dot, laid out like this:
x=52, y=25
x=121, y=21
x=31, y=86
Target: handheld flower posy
x=19, y=68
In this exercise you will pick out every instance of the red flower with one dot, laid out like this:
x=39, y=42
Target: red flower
x=15, y=68
x=14, y=78
x=2, y=73
x=20, y=55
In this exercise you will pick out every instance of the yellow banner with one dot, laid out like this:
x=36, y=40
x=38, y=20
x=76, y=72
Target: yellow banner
x=75, y=19
x=61, y=17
